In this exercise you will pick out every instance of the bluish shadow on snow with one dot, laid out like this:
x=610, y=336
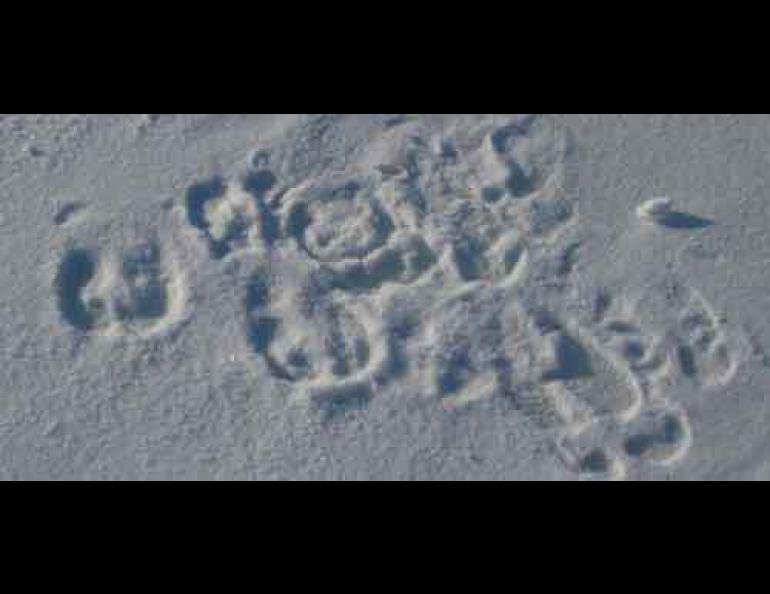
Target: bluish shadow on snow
x=75, y=273
x=684, y=221
x=574, y=361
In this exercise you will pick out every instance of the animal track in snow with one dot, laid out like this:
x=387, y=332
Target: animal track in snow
x=478, y=207
x=456, y=221
x=502, y=193
x=526, y=158
x=138, y=293
x=658, y=437
x=591, y=374
x=482, y=247
x=345, y=226
x=325, y=344
x=233, y=215
x=569, y=381
x=78, y=307
x=661, y=436
x=532, y=151
x=588, y=383
x=339, y=220
x=483, y=345
x=693, y=343
x=467, y=360
x=429, y=258
x=641, y=353
x=403, y=262
x=704, y=353
x=142, y=295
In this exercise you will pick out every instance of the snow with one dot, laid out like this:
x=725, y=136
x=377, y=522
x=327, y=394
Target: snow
x=384, y=296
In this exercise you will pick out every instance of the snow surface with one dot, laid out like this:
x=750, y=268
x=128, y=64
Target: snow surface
x=384, y=296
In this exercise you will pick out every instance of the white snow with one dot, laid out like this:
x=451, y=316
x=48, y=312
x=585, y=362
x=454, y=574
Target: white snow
x=384, y=296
